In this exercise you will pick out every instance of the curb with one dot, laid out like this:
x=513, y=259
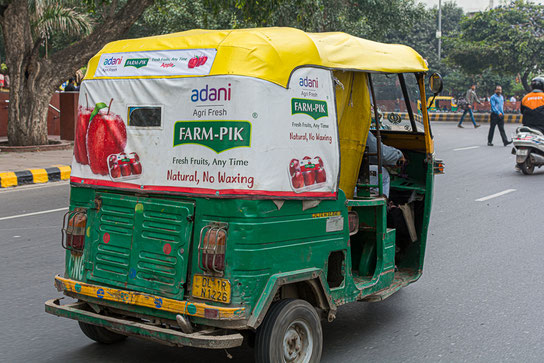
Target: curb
x=456, y=117
x=479, y=117
x=34, y=176
x=62, y=145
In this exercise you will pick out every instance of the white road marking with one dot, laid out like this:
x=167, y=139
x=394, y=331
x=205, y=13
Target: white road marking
x=466, y=148
x=22, y=188
x=33, y=213
x=495, y=195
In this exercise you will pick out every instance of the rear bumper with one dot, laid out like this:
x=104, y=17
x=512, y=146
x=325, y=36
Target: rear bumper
x=128, y=327
x=80, y=289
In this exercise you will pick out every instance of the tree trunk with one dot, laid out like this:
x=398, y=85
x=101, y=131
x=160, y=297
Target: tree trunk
x=27, y=123
x=30, y=109
x=33, y=79
x=524, y=81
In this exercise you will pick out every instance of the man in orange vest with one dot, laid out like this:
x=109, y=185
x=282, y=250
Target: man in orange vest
x=532, y=105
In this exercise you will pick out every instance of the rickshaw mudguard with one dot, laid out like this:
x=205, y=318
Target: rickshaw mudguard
x=76, y=311
x=314, y=276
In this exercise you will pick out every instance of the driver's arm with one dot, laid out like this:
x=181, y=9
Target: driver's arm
x=390, y=155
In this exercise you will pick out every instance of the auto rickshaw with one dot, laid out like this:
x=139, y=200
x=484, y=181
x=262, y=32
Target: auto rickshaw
x=220, y=190
x=441, y=103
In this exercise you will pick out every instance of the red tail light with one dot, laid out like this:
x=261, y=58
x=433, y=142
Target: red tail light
x=212, y=247
x=438, y=166
x=73, y=230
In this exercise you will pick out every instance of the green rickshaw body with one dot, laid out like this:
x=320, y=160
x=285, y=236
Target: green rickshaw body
x=202, y=201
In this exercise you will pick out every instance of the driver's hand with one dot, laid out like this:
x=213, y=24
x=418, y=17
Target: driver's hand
x=401, y=161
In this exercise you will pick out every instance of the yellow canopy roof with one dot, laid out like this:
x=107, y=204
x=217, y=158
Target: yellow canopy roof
x=273, y=53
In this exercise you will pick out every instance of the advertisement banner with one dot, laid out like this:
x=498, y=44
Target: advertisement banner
x=218, y=136
x=156, y=63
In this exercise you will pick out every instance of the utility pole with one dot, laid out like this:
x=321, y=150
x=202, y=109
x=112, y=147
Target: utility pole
x=439, y=31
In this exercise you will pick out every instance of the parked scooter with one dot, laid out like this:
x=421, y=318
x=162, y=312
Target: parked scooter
x=528, y=148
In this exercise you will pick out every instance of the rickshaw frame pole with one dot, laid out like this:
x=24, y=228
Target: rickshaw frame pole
x=378, y=136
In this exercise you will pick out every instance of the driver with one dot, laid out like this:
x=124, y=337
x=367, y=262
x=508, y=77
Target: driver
x=390, y=157
x=532, y=105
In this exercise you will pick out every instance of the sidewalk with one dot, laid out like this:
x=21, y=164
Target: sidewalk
x=18, y=168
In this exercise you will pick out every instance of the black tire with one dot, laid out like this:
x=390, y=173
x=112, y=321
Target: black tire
x=291, y=326
x=527, y=167
x=100, y=334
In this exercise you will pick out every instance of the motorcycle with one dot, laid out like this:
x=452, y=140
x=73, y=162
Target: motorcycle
x=529, y=149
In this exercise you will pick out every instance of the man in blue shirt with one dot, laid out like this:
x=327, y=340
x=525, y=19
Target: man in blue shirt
x=497, y=117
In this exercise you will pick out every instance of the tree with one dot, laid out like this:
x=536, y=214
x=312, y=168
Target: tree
x=35, y=75
x=508, y=40
x=371, y=19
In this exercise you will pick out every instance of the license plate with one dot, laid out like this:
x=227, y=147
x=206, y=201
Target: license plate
x=211, y=288
x=522, y=152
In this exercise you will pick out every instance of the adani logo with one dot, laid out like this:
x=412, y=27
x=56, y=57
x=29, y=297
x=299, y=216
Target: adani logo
x=211, y=94
x=113, y=61
x=308, y=82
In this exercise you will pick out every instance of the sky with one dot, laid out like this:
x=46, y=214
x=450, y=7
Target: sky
x=470, y=5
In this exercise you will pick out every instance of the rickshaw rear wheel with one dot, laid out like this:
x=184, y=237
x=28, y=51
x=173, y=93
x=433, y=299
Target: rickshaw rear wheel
x=100, y=334
x=291, y=332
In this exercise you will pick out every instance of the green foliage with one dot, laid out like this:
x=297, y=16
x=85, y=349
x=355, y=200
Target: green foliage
x=490, y=48
x=507, y=40
x=52, y=17
x=176, y=16
x=373, y=19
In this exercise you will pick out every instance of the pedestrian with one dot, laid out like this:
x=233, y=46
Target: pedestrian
x=71, y=86
x=470, y=97
x=497, y=117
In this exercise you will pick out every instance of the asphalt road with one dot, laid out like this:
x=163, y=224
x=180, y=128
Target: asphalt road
x=480, y=298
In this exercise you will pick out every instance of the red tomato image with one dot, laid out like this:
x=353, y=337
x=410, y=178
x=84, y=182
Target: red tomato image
x=297, y=180
x=115, y=171
x=309, y=177
x=133, y=156
x=193, y=62
x=125, y=169
x=307, y=165
x=321, y=177
x=112, y=159
x=136, y=168
x=317, y=160
x=202, y=60
x=294, y=166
